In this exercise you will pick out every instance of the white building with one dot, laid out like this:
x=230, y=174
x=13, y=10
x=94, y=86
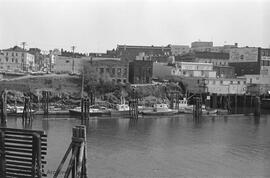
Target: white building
x=183, y=69
x=226, y=86
x=17, y=59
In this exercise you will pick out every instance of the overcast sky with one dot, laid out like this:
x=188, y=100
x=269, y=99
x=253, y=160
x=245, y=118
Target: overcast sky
x=98, y=25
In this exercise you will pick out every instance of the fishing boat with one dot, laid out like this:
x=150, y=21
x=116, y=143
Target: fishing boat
x=94, y=111
x=160, y=110
x=122, y=109
x=183, y=106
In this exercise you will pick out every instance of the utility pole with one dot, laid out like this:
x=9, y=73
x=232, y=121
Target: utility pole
x=24, y=44
x=73, y=49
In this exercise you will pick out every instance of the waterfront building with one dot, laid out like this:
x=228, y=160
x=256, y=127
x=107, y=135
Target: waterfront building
x=226, y=85
x=17, y=59
x=140, y=71
x=111, y=69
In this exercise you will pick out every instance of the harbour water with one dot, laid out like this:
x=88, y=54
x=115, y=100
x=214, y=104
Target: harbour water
x=225, y=146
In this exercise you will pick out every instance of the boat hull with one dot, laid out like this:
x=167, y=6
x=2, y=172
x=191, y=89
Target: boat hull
x=92, y=114
x=160, y=113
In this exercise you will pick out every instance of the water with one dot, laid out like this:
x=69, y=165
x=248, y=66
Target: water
x=165, y=147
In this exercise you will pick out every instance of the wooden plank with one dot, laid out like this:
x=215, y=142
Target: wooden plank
x=18, y=150
x=19, y=171
x=18, y=155
x=13, y=175
x=18, y=142
x=27, y=147
x=17, y=163
x=23, y=131
x=18, y=159
x=18, y=138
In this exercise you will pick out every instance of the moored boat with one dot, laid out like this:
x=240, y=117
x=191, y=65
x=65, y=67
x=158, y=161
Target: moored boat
x=93, y=111
x=160, y=110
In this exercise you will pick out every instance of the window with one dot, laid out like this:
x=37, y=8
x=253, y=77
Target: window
x=124, y=81
x=118, y=72
x=16, y=54
x=242, y=56
x=67, y=61
x=12, y=54
x=238, y=82
x=113, y=72
x=101, y=70
x=107, y=70
x=6, y=59
x=231, y=82
x=22, y=54
x=12, y=59
x=125, y=73
x=221, y=81
x=16, y=60
x=245, y=82
x=250, y=80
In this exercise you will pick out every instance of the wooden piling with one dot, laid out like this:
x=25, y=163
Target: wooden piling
x=27, y=115
x=85, y=107
x=245, y=104
x=77, y=163
x=257, y=106
x=133, y=105
x=197, y=108
x=214, y=95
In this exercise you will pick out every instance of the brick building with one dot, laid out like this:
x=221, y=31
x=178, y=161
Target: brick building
x=140, y=72
x=129, y=53
x=111, y=69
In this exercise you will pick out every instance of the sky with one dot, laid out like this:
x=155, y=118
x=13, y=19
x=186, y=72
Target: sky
x=99, y=25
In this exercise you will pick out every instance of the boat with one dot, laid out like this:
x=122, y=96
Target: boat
x=16, y=111
x=208, y=111
x=184, y=107
x=122, y=109
x=93, y=111
x=160, y=110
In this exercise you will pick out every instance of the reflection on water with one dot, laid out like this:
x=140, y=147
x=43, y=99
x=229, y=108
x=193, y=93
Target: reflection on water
x=165, y=147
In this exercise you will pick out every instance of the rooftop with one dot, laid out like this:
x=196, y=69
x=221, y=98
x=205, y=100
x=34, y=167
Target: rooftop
x=15, y=48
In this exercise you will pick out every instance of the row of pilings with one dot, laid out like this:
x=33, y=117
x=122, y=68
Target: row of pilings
x=232, y=103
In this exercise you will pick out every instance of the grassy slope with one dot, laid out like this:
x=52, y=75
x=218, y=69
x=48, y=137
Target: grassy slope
x=58, y=83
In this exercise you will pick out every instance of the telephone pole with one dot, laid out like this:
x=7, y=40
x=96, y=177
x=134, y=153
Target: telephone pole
x=24, y=44
x=73, y=49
